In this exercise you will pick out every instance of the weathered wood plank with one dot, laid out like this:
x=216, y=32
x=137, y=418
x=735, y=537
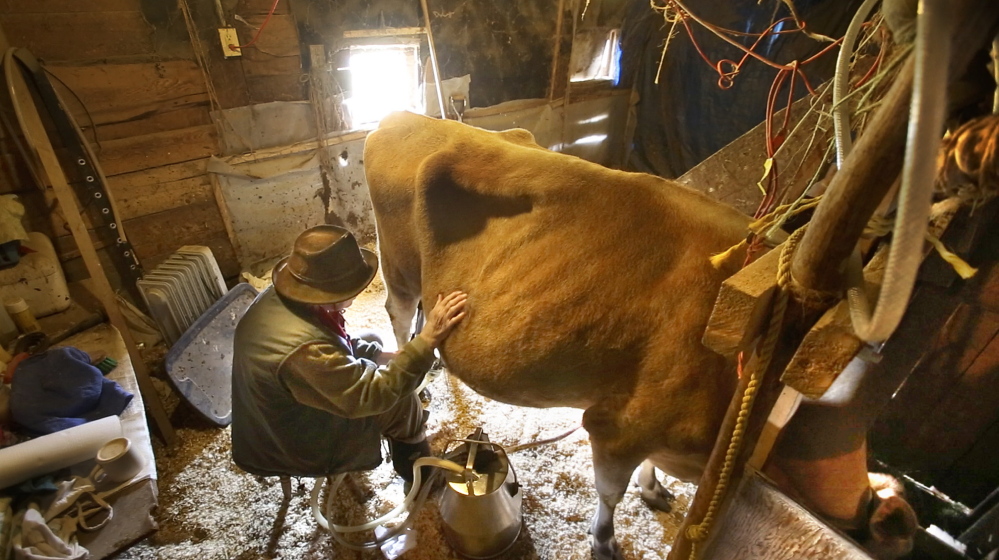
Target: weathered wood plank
x=161, y=121
x=156, y=236
x=80, y=36
x=965, y=411
x=974, y=474
x=153, y=198
x=117, y=93
x=221, y=248
x=279, y=38
x=162, y=174
x=225, y=74
x=164, y=232
x=154, y=150
x=67, y=6
x=264, y=89
x=762, y=522
x=259, y=7
x=959, y=343
x=266, y=65
x=742, y=306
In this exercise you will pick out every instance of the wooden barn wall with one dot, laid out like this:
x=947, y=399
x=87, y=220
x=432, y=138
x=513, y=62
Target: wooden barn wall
x=145, y=80
x=506, y=47
x=942, y=426
x=127, y=72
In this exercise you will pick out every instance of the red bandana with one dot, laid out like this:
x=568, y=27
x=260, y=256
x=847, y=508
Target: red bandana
x=332, y=318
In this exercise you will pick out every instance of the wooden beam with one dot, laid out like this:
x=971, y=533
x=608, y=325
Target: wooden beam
x=742, y=307
x=558, y=48
x=297, y=148
x=856, y=190
x=36, y=135
x=155, y=150
x=386, y=32
x=82, y=35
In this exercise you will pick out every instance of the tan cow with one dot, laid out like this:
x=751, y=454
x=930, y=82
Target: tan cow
x=587, y=287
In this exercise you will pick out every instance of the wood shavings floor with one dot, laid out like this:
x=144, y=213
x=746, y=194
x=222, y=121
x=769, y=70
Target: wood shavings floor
x=210, y=509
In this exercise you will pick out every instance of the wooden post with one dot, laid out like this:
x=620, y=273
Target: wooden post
x=38, y=139
x=433, y=57
x=856, y=190
x=560, y=14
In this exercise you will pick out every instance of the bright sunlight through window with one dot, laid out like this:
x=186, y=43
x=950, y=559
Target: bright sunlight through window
x=384, y=78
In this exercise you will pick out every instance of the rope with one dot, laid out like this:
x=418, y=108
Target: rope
x=699, y=532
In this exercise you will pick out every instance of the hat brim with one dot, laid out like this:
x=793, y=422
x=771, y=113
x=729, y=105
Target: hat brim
x=290, y=287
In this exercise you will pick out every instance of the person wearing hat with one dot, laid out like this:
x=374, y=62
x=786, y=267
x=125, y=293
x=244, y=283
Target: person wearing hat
x=308, y=399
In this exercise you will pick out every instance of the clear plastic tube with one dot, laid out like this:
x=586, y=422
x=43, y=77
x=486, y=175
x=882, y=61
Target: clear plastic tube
x=417, y=495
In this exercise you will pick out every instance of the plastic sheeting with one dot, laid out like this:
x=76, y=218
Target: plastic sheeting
x=686, y=117
x=271, y=201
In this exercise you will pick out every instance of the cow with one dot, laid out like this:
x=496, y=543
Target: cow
x=587, y=287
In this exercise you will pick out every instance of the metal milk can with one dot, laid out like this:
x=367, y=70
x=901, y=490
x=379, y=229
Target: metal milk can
x=481, y=507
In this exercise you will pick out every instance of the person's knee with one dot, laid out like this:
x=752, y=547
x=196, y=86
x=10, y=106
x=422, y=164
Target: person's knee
x=369, y=336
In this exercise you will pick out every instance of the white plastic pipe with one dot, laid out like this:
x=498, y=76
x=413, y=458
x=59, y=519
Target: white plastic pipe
x=926, y=119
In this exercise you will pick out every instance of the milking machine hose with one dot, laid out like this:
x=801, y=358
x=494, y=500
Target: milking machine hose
x=417, y=497
x=926, y=121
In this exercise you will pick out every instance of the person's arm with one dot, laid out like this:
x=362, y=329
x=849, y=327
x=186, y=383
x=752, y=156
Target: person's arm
x=323, y=376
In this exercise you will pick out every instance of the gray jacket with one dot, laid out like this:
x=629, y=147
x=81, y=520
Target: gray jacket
x=304, y=401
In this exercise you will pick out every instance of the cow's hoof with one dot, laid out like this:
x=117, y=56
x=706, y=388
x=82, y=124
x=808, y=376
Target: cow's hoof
x=608, y=550
x=657, y=497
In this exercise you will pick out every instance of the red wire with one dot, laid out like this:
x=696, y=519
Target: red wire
x=877, y=61
x=260, y=29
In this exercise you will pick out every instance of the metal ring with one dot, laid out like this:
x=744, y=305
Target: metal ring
x=113, y=225
x=97, y=195
x=120, y=240
x=127, y=253
x=105, y=211
x=81, y=161
x=90, y=178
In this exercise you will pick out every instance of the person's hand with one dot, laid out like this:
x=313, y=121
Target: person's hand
x=447, y=312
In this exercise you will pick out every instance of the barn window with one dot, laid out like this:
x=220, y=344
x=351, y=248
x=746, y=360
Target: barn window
x=596, y=55
x=384, y=78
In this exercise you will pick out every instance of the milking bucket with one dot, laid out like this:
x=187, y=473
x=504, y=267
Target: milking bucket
x=481, y=507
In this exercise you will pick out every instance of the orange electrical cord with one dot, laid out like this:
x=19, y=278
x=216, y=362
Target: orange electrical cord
x=259, y=30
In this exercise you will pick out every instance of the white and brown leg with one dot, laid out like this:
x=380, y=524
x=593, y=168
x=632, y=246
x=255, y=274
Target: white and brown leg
x=401, y=307
x=654, y=494
x=612, y=475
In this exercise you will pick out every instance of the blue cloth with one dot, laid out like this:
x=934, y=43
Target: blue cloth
x=59, y=389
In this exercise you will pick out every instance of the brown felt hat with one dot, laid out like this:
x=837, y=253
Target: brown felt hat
x=325, y=266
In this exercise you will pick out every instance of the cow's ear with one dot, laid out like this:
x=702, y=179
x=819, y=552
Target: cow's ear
x=893, y=527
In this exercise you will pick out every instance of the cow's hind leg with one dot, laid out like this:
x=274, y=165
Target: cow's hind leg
x=401, y=308
x=654, y=494
x=612, y=476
